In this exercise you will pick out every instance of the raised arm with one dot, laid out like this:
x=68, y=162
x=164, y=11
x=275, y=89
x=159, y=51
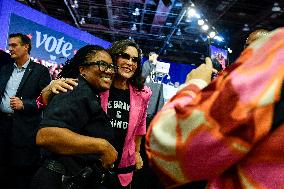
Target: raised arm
x=55, y=87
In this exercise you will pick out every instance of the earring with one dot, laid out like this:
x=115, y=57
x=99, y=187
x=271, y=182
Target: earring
x=83, y=75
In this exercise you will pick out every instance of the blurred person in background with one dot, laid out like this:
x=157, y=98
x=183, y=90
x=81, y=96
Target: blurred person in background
x=150, y=64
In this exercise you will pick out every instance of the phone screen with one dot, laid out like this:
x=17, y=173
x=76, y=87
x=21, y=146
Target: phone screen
x=219, y=57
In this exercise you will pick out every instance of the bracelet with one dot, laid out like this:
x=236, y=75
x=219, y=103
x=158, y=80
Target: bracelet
x=39, y=102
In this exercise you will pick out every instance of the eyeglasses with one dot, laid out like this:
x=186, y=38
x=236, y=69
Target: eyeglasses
x=103, y=66
x=128, y=57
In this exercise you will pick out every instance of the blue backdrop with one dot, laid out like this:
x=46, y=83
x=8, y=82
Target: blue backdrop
x=47, y=44
x=10, y=7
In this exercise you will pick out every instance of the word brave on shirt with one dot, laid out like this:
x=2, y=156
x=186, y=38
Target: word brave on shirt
x=117, y=106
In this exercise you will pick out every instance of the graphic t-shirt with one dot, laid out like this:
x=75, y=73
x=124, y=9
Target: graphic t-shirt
x=118, y=110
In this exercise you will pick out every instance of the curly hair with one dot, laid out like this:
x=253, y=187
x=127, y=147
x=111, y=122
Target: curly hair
x=118, y=47
x=71, y=67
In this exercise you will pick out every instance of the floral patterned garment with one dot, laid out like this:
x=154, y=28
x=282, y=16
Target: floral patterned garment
x=226, y=134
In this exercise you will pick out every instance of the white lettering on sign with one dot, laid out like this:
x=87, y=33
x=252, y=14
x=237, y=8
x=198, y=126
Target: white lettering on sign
x=51, y=44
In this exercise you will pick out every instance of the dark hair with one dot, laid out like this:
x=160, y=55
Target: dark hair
x=71, y=67
x=25, y=40
x=119, y=47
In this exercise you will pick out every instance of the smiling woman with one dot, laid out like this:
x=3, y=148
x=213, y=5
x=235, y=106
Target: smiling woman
x=125, y=102
x=75, y=131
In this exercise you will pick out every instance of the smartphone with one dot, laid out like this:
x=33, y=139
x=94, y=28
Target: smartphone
x=219, y=57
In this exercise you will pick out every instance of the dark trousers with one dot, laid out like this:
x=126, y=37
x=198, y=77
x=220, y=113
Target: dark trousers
x=12, y=175
x=46, y=179
x=5, y=143
x=49, y=179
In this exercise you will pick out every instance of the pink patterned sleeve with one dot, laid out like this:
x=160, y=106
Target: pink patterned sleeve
x=203, y=135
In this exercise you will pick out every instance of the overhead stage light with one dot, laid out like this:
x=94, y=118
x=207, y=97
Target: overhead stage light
x=246, y=27
x=276, y=7
x=200, y=22
x=134, y=28
x=136, y=12
x=212, y=34
x=178, y=32
x=191, y=12
x=205, y=27
x=219, y=38
x=82, y=21
x=197, y=15
x=75, y=5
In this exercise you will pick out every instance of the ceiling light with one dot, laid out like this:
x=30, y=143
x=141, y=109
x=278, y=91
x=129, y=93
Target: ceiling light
x=191, y=12
x=75, y=5
x=136, y=12
x=200, y=22
x=134, y=28
x=219, y=38
x=212, y=34
x=229, y=50
x=276, y=7
x=178, y=32
x=246, y=27
x=170, y=45
x=205, y=27
x=82, y=21
x=89, y=15
x=178, y=4
x=197, y=15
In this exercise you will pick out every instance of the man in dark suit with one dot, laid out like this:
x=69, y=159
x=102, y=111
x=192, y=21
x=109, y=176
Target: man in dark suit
x=20, y=84
x=150, y=64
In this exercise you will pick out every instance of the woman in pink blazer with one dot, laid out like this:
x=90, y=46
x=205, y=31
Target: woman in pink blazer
x=126, y=104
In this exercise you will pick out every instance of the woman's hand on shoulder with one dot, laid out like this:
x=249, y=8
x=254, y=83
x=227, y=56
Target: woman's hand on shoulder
x=62, y=85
